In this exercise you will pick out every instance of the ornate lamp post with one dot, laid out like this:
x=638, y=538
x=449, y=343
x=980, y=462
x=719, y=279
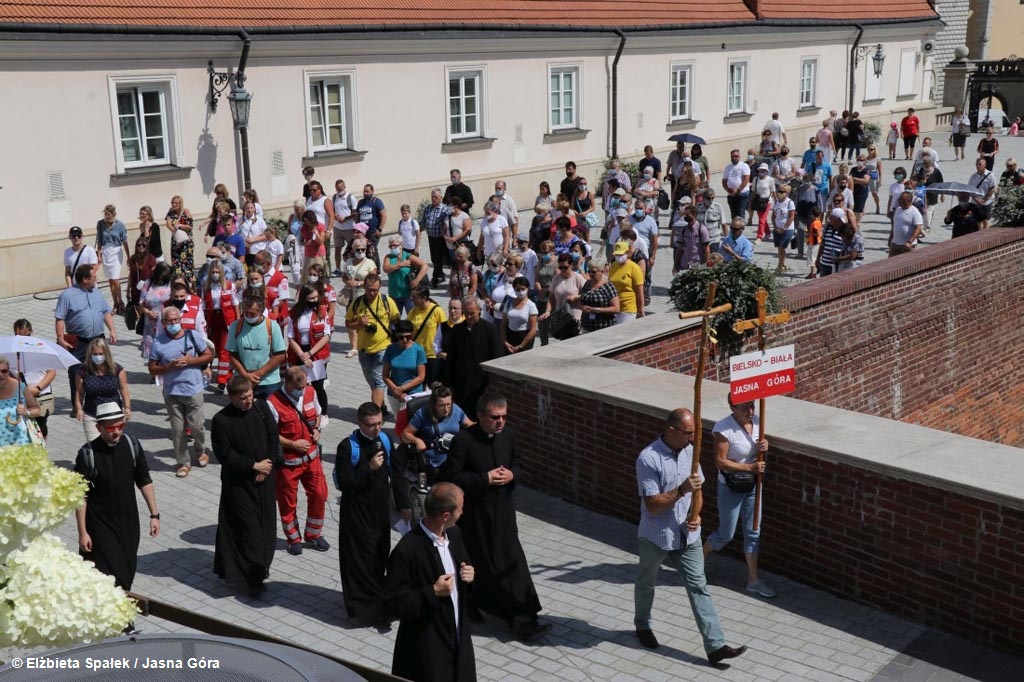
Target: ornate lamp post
x=240, y=101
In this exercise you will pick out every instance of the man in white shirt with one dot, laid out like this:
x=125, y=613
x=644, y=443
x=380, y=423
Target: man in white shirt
x=983, y=180
x=79, y=253
x=907, y=225
x=736, y=182
x=507, y=208
x=926, y=150
x=344, y=224
x=775, y=127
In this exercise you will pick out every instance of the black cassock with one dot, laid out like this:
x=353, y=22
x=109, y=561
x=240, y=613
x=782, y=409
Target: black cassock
x=112, y=509
x=429, y=648
x=247, y=519
x=365, y=537
x=467, y=348
x=502, y=586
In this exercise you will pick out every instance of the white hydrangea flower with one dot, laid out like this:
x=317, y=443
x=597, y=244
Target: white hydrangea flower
x=35, y=495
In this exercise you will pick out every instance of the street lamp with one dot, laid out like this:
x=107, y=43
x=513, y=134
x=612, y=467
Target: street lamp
x=878, y=60
x=240, y=101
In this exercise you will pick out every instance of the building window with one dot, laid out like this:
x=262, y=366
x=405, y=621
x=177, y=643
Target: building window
x=679, y=95
x=737, y=88
x=808, y=82
x=908, y=72
x=563, y=97
x=872, y=83
x=464, y=104
x=329, y=114
x=142, y=125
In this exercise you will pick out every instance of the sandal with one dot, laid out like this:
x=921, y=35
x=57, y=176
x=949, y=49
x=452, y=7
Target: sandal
x=202, y=460
x=183, y=471
x=351, y=354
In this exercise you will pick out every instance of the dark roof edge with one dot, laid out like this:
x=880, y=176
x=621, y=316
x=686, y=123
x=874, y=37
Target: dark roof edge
x=132, y=29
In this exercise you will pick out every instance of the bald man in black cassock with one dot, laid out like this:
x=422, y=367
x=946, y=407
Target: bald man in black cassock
x=468, y=345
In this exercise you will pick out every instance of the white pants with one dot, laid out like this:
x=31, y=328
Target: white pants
x=621, y=318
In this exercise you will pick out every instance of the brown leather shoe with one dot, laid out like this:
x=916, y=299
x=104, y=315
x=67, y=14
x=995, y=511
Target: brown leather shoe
x=202, y=460
x=719, y=655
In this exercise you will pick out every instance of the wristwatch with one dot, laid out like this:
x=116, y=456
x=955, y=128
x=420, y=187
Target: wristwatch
x=155, y=516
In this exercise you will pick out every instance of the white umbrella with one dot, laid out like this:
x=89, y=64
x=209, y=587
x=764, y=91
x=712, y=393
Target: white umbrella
x=31, y=354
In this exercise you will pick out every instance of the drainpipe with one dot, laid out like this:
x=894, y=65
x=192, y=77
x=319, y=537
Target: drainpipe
x=615, y=93
x=853, y=66
x=243, y=133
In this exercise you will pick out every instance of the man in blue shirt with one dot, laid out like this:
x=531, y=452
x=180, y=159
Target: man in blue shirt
x=80, y=316
x=666, y=487
x=736, y=246
x=372, y=212
x=822, y=173
x=808, y=157
x=647, y=229
x=178, y=356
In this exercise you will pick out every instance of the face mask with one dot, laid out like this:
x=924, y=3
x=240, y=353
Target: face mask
x=360, y=255
x=211, y=259
x=639, y=212
x=614, y=203
x=900, y=177
x=99, y=359
x=177, y=304
x=254, y=319
x=750, y=157
x=255, y=285
x=173, y=329
x=214, y=276
x=313, y=279
x=494, y=268
x=648, y=174
x=545, y=258
x=521, y=293
x=454, y=179
x=575, y=257
x=621, y=260
x=296, y=393
x=785, y=152
x=224, y=258
x=860, y=164
x=687, y=219
x=965, y=204
x=395, y=250
x=583, y=187
x=499, y=192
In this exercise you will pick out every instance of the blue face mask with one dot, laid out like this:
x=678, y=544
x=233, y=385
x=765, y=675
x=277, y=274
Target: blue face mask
x=575, y=257
x=296, y=393
x=639, y=213
x=173, y=329
x=499, y=192
x=613, y=203
x=545, y=258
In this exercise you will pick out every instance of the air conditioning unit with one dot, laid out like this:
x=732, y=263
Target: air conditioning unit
x=928, y=46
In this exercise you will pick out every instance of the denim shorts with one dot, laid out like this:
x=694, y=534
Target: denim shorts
x=372, y=365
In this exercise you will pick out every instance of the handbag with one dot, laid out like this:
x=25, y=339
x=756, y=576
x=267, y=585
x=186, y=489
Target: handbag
x=739, y=481
x=562, y=324
x=35, y=434
x=591, y=219
x=663, y=201
x=131, y=317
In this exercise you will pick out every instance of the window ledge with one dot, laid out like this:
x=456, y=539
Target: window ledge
x=566, y=134
x=681, y=124
x=876, y=100
x=910, y=97
x=807, y=111
x=332, y=156
x=468, y=144
x=738, y=117
x=134, y=176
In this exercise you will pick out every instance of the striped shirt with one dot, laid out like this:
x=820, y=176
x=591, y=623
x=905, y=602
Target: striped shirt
x=659, y=469
x=831, y=244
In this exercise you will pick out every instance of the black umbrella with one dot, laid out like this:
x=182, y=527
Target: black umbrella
x=687, y=137
x=953, y=188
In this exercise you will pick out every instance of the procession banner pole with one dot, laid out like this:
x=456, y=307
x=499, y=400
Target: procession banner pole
x=697, y=501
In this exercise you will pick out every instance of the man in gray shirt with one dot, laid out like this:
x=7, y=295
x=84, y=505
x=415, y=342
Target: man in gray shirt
x=666, y=488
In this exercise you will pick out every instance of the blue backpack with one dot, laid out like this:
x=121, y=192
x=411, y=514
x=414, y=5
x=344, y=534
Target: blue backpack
x=354, y=443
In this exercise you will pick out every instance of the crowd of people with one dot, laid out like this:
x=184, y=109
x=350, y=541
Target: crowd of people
x=241, y=324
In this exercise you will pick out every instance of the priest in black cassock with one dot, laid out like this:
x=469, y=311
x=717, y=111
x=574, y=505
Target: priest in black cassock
x=367, y=486
x=429, y=578
x=245, y=442
x=483, y=461
x=108, y=520
x=466, y=346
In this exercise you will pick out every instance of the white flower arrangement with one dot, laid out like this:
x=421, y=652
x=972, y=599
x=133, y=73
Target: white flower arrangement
x=48, y=595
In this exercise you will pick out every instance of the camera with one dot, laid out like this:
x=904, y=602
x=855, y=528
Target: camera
x=444, y=443
x=371, y=328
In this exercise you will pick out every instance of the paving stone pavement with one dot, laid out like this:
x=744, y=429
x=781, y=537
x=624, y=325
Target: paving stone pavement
x=582, y=562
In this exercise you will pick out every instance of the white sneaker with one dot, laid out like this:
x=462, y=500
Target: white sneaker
x=324, y=422
x=760, y=588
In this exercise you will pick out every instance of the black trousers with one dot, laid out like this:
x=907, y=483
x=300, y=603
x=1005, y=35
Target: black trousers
x=439, y=257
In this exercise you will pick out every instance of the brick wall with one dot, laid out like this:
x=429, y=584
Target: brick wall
x=933, y=337
x=943, y=559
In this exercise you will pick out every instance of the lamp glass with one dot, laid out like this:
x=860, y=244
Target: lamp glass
x=240, y=99
x=879, y=61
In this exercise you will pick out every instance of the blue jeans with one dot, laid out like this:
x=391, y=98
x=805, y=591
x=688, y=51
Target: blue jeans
x=689, y=562
x=731, y=506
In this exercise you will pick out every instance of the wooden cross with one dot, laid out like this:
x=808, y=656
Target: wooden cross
x=697, y=502
x=759, y=323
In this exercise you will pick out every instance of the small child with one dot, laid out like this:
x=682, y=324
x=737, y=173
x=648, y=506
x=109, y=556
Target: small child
x=274, y=247
x=813, y=241
x=409, y=230
x=891, y=139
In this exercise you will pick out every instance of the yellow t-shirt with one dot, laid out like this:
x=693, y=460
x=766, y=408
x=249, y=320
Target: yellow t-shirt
x=435, y=320
x=624, y=278
x=385, y=310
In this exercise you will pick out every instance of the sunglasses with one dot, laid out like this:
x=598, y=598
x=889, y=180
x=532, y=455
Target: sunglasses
x=114, y=428
x=360, y=250
x=404, y=337
x=563, y=267
x=5, y=372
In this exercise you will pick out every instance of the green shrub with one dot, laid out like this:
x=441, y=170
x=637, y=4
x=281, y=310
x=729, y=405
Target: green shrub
x=872, y=132
x=1009, y=207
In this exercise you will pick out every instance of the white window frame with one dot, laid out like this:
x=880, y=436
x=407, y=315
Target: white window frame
x=167, y=86
x=480, y=74
x=808, y=90
x=872, y=83
x=346, y=79
x=729, y=108
x=561, y=70
x=908, y=81
x=680, y=110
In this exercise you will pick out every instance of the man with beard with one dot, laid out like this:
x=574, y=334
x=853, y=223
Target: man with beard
x=429, y=574
x=483, y=460
x=245, y=442
x=367, y=473
x=466, y=347
x=108, y=520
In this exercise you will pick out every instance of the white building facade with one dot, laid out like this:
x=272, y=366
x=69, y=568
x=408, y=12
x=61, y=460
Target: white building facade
x=125, y=119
